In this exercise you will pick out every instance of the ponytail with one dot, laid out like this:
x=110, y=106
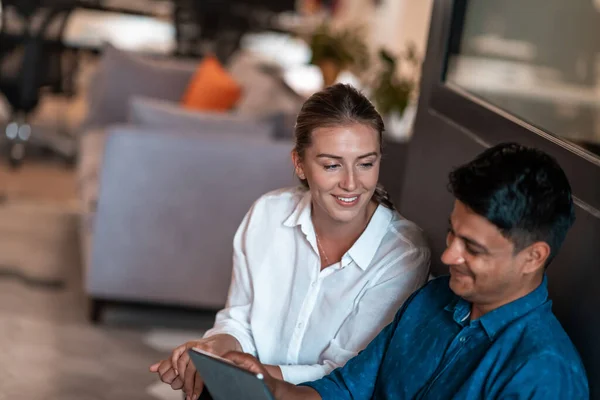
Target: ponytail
x=381, y=196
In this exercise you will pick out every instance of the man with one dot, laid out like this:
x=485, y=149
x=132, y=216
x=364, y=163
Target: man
x=486, y=331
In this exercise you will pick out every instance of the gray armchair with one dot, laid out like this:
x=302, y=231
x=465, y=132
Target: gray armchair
x=168, y=208
x=164, y=191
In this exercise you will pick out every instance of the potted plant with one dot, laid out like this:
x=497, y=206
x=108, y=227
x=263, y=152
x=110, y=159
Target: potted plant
x=394, y=93
x=335, y=50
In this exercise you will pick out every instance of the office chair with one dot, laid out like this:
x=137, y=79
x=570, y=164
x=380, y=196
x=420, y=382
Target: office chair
x=199, y=26
x=31, y=60
x=217, y=26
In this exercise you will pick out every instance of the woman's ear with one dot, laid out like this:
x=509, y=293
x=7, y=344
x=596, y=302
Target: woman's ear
x=298, y=165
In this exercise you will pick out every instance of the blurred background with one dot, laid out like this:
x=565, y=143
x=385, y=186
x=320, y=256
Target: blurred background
x=135, y=135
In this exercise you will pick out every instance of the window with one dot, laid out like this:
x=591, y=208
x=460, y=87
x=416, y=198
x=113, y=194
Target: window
x=545, y=73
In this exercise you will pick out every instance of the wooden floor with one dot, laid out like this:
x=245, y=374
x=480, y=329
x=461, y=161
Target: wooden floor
x=39, y=181
x=52, y=351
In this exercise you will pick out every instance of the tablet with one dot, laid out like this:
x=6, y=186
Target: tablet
x=227, y=381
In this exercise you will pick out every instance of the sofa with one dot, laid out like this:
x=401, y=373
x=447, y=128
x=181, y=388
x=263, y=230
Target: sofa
x=163, y=188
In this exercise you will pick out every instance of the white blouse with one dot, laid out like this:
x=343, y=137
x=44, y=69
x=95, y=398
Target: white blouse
x=285, y=310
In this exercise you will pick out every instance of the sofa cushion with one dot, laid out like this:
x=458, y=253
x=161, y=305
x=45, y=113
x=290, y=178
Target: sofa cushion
x=264, y=93
x=283, y=124
x=121, y=75
x=152, y=113
x=211, y=88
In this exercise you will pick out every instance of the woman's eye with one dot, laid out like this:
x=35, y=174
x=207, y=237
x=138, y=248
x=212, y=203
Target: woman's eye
x=331, y=167
x=366, y=165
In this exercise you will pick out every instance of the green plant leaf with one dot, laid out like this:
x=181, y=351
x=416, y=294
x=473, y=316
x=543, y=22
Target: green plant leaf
x=345, y=47
x=390, y=91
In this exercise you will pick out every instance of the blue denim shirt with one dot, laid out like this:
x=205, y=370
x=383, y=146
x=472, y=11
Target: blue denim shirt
x=432, y=350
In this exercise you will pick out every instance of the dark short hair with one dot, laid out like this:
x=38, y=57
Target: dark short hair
x=521, y=190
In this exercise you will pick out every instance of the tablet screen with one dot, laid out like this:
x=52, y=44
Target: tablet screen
x=227, y=381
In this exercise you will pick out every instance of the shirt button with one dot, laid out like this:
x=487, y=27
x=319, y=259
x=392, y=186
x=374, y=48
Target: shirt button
x=463, y=339
x=299, y=325
x=313, y=284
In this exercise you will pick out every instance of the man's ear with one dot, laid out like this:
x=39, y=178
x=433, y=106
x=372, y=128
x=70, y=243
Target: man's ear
x=298, y=165
x=536, y=256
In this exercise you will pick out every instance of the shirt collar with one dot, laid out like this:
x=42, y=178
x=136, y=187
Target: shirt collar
x=301, y=215
x=494, y=321
x=363, y=250
x=460, y=309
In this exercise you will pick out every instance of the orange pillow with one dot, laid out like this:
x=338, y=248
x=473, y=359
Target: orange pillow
x=211, y=88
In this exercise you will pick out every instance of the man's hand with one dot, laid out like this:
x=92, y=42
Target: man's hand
x=179, y=372
x=280, y=389
x=274, y=371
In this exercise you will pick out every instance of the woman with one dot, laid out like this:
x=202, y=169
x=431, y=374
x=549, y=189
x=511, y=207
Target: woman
x=318, y=270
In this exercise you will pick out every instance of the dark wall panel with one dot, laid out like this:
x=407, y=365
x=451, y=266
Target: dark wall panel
x=451, y=129
x=574, y=276
x=436, y=148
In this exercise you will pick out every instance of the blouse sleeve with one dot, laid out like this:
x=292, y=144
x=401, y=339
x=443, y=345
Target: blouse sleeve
x=234, y=319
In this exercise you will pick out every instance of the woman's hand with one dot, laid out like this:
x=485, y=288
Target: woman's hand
x=179, y=372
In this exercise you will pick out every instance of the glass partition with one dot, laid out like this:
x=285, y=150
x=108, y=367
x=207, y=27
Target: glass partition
x=537, y=59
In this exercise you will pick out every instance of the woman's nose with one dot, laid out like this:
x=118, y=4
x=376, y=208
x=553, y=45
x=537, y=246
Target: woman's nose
x=348, y=182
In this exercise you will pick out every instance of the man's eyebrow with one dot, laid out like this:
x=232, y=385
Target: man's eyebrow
x=326, y=155
x=467, y=239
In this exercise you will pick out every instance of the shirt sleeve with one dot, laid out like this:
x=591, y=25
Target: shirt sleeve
x=356, y=380
x=234, y=319
x=371, y=313
x=546, y=377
